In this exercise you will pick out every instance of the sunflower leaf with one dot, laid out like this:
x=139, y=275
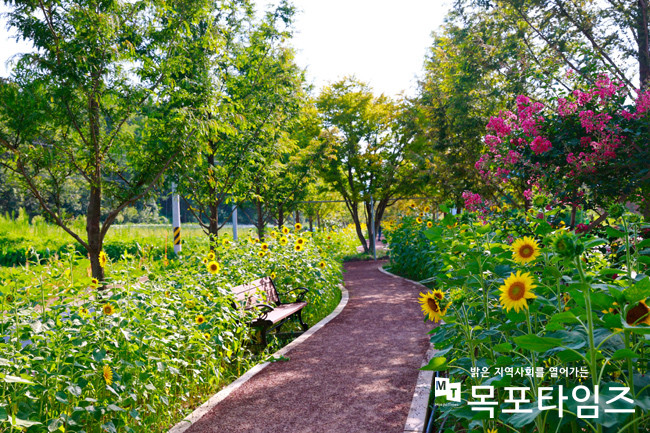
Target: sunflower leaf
x=536, y=343
x=438, y=363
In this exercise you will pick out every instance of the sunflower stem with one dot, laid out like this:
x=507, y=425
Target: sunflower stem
x=630, y=378
x=628, y=258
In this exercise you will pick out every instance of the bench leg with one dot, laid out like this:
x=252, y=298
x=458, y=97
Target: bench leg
x=303, y=325
x=263, y=336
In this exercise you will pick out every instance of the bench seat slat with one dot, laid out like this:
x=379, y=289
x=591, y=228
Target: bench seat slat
x=282, y=311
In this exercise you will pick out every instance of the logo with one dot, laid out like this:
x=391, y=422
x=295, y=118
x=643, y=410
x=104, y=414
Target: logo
x=444, y=388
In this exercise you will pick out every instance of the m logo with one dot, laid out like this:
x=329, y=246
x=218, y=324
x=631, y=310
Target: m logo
x=444, y=388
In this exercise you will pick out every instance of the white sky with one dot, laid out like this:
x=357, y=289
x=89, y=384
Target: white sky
x=382, y=42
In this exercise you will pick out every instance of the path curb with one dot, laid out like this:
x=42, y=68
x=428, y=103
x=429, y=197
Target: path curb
x=198, y=413
x=416, y=419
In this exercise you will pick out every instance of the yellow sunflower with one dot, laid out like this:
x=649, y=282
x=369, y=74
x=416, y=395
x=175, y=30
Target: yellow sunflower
x=273, y=275
x=283, y=241
x=321, y=264
x=225, y=242
x=94, y=283
x=298, y=226
x=200, y=319
x=418, y=220
x=206, y=336
x=438, y=295
x=329, y=238
x=108, y=309
x=205, y=260
x=429, y=224
x=285, y=230
x=107, y=373
x=214, y=267
x=190, y=304
x=261, y=253
x=525, y=250
x=211, y=256
x=298, y=247
x=427, y=209
x=83, y=311
x=516, y=290
x=264, y=246
x=640, y=313
x=103, y=259
x=431, y=307
x=300, y=241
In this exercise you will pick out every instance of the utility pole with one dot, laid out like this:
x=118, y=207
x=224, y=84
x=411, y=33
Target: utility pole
x=176, y=219
x=234, y=222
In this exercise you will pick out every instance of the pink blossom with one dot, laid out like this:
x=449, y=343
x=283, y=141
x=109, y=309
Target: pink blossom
x=528, y=194
x=512, y=157
x=540, y=145
x=627, y=115
x=472, y=200
x=492, y=141
x=582, y=97
x=566, y=108
x=642, y=102
x=593, y=122
x=499, y=126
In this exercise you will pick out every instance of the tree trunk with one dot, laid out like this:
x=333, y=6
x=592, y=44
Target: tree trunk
x=357, y=225
x=574, y=210
x=280, y=217
x=320, y=227
x=297, y=217
x=213, y=227
x=311, y=223
x=93, y=230
x=642, y=42
x=260, y=220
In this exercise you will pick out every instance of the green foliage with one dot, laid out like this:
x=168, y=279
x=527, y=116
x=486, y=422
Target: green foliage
x=588, y=312
x=170, y=341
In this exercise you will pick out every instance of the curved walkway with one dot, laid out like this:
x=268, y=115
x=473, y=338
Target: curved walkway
x=356, y=374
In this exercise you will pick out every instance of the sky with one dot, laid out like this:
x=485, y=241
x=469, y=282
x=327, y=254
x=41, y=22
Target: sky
x=381, y=42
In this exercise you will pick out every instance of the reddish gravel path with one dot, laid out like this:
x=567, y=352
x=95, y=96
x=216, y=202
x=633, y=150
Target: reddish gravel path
x=357, y=374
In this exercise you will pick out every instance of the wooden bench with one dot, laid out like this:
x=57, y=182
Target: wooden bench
x=263, y=296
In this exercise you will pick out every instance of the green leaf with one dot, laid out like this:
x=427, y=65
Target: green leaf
x=638, y=292
x=15, y=379
x=109, y=427
x=568, y=356
x=564, y=317
x=54, y=424
x=99, y=354
x=503, y=347
x=614, y=233
x=624, y=354
x=436, y=364
x=592, y=243
x=543, y=228
x=536, y=343
x=519, y=420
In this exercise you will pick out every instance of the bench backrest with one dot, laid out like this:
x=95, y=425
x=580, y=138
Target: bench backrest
x=258, y=291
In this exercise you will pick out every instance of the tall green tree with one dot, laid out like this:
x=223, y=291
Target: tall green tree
x=94, y=102
x=366, y=155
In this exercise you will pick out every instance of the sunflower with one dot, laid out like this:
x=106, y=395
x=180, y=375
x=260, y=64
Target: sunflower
x=206, y=336
x=285, y=230
x=640, y=313
x=190, y=304
x=525, y=250
x=329, y=238
x=214, y=267
x=431, y=307
x=438, y=295
x=427, y=209
x=273, y=275
x=103, y=259
x=83, y=311
x=283, y=240
x=321, y=264
x=225, y=242
x=429, y=224
x=211, y=256
x=264, y=246
x=298, y=226
x=205, y=260
x=300, y=241
x=94, y=283
x=298, y=247
x=108, y=309
x=516, y=290
x=200, y=319
x=261, y=253
x=108, y=374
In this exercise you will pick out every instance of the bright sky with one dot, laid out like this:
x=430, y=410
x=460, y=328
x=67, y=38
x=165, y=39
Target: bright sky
x=382, y=42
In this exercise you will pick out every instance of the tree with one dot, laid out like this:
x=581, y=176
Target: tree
x=254, y=88
x=364, y=151
x=94, y=103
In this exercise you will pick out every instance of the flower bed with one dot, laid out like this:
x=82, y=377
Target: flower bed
x=535, y=311
x=146, y=353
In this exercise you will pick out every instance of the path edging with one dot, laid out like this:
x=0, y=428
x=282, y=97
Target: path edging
x=198, y=413
x=416, y=419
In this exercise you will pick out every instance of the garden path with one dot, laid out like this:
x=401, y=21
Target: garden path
x=356, y=374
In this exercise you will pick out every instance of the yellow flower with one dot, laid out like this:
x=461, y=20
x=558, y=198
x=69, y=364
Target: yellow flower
x=492, y=430
x=190, y=304
x=452, y=226
x=225, y=242
x=205, y=260
x=214, y=267
x=300, y=241
x=283, y=241
x=264, y=246
x=285, y=230
x=206, y=336
x=431, y=307
x=261, y=253
x=329, y=238
x=640, y=313
x=83, y=311
x=298, y=247
x=418, y=220
x=427, y=209
x=273, y=275
x=516, y=290
x=429, y=224
x=94, y=283
x=103, y=259
x=108, y=309
x=298, y=226
x=438, y=295
x=211, y=256
x=199, y=319
x=525, y=250
x=321, y=264
x=108, y=374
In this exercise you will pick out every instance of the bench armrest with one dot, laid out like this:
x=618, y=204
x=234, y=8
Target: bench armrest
x=264, y=309
x=301, y=295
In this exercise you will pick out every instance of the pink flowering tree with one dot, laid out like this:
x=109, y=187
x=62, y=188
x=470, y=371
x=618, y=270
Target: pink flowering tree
x=588, y=148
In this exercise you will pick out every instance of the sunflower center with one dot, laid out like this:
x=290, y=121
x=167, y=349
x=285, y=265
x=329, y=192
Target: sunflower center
x=526, y=251
x=517, y=291
x=433, y=305
x=638, y=314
